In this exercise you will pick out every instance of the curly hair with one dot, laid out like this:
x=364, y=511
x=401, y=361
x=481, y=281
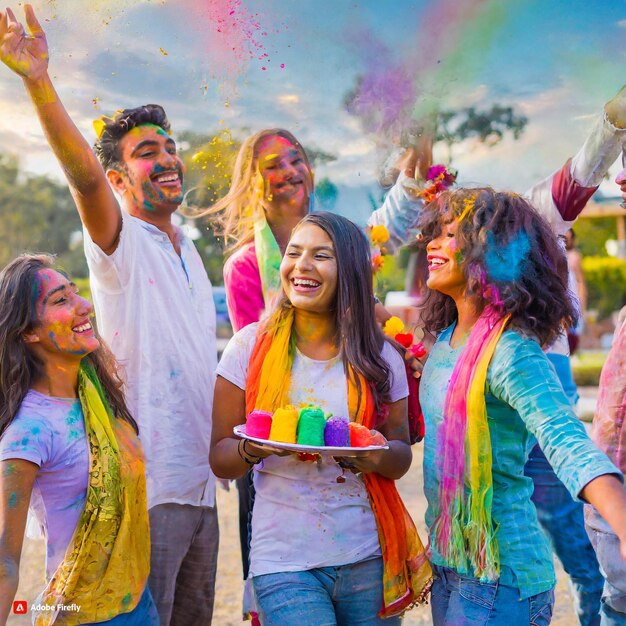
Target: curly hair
x=106, y=146
x=510, y=257
x=20, y=367
x=233, y=216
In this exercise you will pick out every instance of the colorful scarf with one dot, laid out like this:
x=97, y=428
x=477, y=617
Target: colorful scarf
x=407, y=574
x=268, y=257
x=463, y=531
x=106, y=564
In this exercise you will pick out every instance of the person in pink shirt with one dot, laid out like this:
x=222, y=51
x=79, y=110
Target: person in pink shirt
x=608, y=431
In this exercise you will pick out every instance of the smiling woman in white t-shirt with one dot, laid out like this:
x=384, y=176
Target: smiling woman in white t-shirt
x=323, y=550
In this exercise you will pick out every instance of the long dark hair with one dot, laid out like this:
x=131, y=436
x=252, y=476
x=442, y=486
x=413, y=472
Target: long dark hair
x=357, y=334
x=510, y=257
x=20, y=367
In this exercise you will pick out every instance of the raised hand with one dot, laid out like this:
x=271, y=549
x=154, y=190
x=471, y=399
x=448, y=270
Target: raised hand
x=616, y=108
x=25, y=54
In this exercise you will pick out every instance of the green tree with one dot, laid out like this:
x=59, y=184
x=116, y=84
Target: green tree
x=593, y=233
x=37, y=214
x=488, y=126
x=326, y=193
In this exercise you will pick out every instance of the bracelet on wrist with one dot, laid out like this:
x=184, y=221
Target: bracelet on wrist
x=245, y=455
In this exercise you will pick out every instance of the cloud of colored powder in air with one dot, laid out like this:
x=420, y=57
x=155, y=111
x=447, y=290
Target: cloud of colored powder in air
x=234, y=37
x=451, y=38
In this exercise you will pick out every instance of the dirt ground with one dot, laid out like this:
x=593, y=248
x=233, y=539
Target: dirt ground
x=229, y=584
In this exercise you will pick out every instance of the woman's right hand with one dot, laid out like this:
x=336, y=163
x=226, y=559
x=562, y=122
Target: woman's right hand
x=26, y=55
x=262, y=451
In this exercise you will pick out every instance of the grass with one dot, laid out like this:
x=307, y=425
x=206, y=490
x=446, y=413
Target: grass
x=586, y=367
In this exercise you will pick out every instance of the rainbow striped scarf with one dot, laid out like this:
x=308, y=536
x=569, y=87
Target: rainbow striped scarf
x=407, y=575
x=463, y=530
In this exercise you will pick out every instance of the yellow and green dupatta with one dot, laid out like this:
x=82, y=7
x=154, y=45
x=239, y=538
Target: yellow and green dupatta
x=406, y=575
x=106, y=565
x=268, y=257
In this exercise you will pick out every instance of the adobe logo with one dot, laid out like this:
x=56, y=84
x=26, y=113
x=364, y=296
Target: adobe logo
x=20, y=607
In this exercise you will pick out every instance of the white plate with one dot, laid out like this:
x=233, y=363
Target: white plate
x=240, y=431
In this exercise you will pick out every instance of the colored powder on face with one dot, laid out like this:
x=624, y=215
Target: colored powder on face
x=311, y=427
x=64, y=350
x=505, y=263
x=13, y=500
x=284, y=425
x=259, y=424
x=336, y=432
x=360, y=436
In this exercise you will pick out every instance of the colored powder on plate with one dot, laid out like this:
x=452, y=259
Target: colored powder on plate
x=336, y=431
x=311, y=426
x=259, y=424
x=284, y=425
x=360, y=437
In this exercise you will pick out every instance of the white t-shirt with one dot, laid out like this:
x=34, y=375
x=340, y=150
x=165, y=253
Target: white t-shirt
x=155, y=310
x=303, y=518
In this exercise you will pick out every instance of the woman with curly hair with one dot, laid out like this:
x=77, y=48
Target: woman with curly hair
x=496, y=295
x=69, y=448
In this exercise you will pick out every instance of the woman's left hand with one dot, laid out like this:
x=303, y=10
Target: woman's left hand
x=366, y=462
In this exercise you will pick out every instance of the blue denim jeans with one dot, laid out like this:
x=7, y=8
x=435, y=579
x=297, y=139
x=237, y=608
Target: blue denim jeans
x=613, y=609
x=144, y=614
x=347, y=595
x=563, y=521
x=462, y=601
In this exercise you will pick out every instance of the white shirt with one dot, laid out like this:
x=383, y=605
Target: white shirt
x=156, y=312
x=588, y=167
x=303, y=518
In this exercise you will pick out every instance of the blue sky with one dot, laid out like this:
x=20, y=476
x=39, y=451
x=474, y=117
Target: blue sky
x=556, y=61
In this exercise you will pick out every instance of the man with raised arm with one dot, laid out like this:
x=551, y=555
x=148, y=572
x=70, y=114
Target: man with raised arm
x=154, y=305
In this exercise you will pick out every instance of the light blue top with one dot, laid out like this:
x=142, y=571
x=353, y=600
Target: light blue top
x=524, y=400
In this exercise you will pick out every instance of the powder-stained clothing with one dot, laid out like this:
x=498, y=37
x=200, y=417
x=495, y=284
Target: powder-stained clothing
x=50, y=432
x=525, y=404
x=608, y=430
x=242, y=279
x=303, y=518
x=155, y=310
